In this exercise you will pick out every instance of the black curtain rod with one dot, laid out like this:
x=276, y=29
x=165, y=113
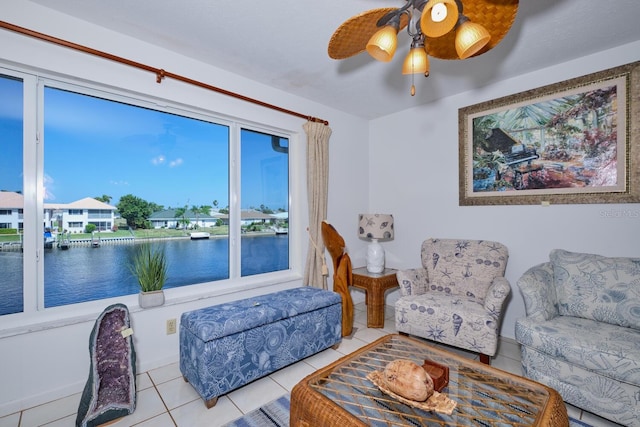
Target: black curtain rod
x=159, y=72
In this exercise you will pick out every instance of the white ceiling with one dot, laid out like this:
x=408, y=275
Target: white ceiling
x=283, y=43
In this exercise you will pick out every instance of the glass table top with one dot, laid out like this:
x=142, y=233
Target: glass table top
x=485, y=396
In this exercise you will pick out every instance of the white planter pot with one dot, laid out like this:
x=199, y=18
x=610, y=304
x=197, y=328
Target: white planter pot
x=151, y=299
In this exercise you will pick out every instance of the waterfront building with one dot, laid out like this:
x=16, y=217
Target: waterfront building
x=72, y=217
x=170, y=218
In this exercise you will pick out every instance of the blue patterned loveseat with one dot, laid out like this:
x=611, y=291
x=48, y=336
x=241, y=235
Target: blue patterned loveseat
x=581, y=335
x=226, y=346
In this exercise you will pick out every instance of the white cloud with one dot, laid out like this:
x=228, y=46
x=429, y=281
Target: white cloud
x=158, y=160
x=175, y=163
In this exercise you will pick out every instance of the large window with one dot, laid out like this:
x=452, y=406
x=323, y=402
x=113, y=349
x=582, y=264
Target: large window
x=11, y=197
x=118, y=171
x=265, y=192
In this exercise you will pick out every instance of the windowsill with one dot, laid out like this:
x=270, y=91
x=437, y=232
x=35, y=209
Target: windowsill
x=59, y=317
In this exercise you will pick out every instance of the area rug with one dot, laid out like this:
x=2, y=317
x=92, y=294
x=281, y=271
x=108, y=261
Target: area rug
x=576, y=423
x=273, y=414
x=276, y=414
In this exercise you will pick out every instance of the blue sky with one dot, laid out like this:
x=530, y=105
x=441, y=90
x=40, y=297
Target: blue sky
x=10, y=133
x=94, y=147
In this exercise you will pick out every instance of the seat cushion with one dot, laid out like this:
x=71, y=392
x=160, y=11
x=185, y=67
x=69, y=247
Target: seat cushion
x=463, y=267
x=454, y=320
x=583, y=388
x=609, y=350
x=597, y=287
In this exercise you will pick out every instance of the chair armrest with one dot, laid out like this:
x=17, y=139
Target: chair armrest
x=539, y=293
x=413, y=281
x=497, y=295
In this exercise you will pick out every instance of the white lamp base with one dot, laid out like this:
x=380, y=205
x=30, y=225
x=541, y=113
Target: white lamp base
x=375, y=257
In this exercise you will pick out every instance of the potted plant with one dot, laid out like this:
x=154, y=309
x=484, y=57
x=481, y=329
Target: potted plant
x=149, y=265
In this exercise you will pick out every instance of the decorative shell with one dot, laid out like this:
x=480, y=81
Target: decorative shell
x=408, y=379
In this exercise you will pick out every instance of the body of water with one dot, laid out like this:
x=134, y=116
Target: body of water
x=85, y=274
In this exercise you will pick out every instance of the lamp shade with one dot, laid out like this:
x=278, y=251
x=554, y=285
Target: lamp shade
x=439, y=17
x=470, y=38
x=416, y=62
x=382, y=45
x=375, y=226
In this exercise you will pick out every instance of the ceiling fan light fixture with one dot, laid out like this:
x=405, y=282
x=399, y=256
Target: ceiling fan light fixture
x=382, y=45
x=470, y=38
x=439, y=17
x=443, y=29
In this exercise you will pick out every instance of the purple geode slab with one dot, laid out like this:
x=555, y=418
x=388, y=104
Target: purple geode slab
x=110, y=391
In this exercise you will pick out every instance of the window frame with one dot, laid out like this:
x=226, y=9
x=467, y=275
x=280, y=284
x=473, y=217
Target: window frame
x=35, y=316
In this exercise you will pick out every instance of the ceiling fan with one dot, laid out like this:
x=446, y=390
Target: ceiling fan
x=444, y=29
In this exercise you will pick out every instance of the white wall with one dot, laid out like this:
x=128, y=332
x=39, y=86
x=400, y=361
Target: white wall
x=417, y=150
x=52, y=360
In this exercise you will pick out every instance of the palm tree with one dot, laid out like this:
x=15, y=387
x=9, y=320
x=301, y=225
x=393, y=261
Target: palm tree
x=182, y=213
x=104, y=198
x=196, y=211
x=205, y=209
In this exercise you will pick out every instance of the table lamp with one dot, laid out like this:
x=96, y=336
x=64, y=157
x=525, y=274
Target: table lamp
x=375, y=227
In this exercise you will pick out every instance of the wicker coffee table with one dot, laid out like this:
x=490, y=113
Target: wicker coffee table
x=341, y=395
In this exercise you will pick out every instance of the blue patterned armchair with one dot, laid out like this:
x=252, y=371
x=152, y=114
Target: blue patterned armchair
x=581, y=335
x=457, y=297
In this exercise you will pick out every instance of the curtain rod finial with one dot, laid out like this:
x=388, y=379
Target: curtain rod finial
x=317, y=120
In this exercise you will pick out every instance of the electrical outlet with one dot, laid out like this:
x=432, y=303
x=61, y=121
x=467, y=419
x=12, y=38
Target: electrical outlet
x=171, y=326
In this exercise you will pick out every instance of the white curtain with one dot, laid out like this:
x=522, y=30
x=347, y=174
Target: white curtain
x=318, y=135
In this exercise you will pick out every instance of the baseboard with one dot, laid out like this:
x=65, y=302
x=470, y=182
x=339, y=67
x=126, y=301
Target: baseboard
x=14, y=406
x=509, y=340
x=40, y=399
x=158, y=363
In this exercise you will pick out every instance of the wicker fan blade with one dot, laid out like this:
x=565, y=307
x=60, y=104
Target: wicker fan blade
x=352, y=36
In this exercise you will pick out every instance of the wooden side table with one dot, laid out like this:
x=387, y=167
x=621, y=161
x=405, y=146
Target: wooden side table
x=375, y=285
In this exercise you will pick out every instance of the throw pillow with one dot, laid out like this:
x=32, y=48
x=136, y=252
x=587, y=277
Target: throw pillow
x=412, y=282
x=597, y=287
x=463, y=267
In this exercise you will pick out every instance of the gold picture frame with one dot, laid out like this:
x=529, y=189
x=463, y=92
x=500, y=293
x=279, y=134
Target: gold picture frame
x=576, y=141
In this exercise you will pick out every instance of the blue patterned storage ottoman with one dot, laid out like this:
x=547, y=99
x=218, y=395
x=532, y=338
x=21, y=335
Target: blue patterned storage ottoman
x=226, y=346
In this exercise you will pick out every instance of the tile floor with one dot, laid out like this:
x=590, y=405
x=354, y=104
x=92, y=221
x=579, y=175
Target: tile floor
x=166, y=400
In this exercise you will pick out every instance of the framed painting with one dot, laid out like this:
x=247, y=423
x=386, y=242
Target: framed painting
x=576, y=141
